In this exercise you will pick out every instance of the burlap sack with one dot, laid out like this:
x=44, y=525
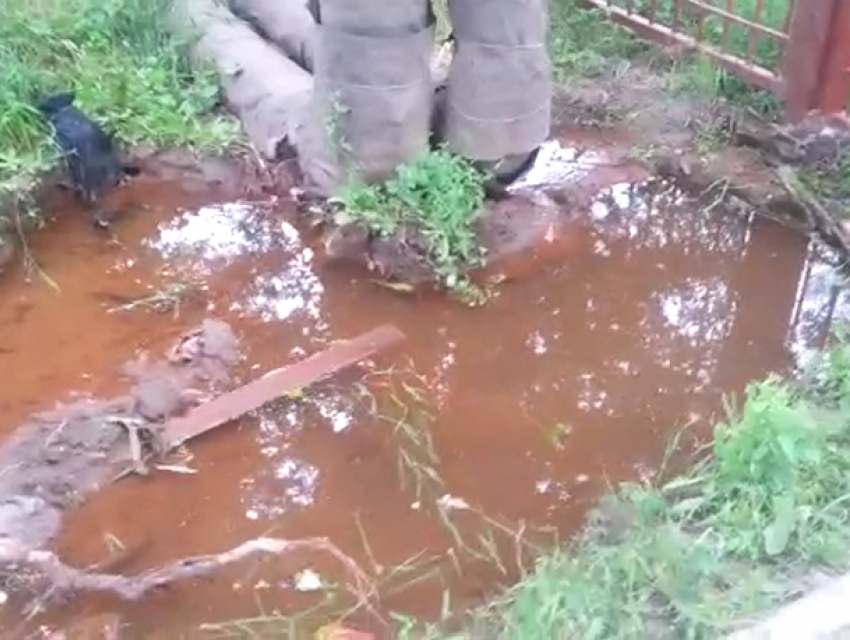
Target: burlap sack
x=372, y=97
x=375, y=17
x=499, y=94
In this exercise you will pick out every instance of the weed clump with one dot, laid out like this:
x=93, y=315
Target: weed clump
x=750, y=526
x=441, y=195
x=125, y=68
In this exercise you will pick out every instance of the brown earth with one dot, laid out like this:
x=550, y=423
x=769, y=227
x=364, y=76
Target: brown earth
x=55, y=458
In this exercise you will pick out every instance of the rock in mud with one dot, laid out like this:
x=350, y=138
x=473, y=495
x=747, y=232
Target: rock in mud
x=347, y=242
x=402, y=257
x=158, y=397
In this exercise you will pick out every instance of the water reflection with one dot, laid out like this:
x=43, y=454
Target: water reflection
x=286, y=481
x=648, y=334
x=647, y=320
x=556, y=387
x=295, y=290
x=822, y=301
x=558, y=164
x=216, y=236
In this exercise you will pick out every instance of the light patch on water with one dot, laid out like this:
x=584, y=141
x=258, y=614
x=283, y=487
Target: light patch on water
x=537, y=342
x=200, y=243
x=700, y=311
x=286, y=482
x=294, y=288
x=339, y=419
x=556, y=164
x=307, y=581
x=556, y=490
x=217, y=235
x=822, y=301
x=620, y=198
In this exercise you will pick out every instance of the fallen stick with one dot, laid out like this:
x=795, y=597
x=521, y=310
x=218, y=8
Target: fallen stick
x=278, y=383
x=64, y=579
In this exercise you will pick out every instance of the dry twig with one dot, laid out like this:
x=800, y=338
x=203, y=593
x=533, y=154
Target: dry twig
x=66, y=580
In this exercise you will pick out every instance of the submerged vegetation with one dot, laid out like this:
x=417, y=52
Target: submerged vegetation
x=758, y=516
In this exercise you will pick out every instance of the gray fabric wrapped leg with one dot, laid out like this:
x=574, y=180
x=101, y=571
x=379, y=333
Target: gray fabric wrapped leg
x=498, y=102
x=372, y=95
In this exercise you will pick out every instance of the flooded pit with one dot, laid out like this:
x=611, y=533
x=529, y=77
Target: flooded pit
x=633, y=317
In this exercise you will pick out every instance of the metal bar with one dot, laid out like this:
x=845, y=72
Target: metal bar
x=724, y=38
x=753, y=34
x=731, y=17
x=789, y=15
x=805, y=54
x=677, y=14
x=757, y=75
x=700, y=34
x=835, y=71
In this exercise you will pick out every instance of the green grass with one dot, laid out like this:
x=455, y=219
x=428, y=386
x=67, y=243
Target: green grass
x=439, y=195
x=692, y=555
x=586, y=44
x=762, y=511
x=128, y=73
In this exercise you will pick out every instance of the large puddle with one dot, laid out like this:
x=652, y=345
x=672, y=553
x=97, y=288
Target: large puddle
x=488, y=426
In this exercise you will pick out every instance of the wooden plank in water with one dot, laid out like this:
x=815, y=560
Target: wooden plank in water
x=278, y=383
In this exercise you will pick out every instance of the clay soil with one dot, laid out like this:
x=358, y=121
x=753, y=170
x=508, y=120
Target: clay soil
x=57, y=458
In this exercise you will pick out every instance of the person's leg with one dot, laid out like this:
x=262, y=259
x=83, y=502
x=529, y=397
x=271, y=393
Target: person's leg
x=498, y=106
x=372, y=87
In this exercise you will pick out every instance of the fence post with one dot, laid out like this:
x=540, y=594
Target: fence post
x=835, y=71
x=805, y=55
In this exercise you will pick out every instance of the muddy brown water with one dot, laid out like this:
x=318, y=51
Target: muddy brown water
x=634, y=316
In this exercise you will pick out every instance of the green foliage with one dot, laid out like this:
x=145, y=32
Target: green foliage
x=584, y=43
x=442, y=196
x=691, y=556
x=128, y=73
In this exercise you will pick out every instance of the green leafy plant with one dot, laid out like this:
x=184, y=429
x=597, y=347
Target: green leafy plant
x=128, y=72
x=441, y=195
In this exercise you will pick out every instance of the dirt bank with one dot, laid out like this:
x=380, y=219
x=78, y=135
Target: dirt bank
x=715, y=152
x=58, y=458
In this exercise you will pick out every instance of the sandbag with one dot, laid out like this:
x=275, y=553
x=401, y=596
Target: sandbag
x=287, y=23
x=268, y=92
x=498, y=100
x=375, y=17
x=372, y=98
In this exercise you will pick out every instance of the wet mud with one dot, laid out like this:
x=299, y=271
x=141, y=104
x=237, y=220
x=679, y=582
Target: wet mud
x=57, y=458
x=543, y=197
x=624, y=309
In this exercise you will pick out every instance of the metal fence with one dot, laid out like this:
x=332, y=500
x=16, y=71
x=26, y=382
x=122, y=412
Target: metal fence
x=797, y=49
